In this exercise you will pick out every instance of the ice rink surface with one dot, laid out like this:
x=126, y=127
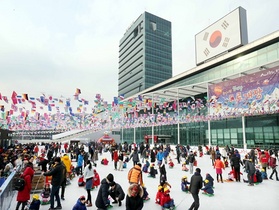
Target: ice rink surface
x=228, y=195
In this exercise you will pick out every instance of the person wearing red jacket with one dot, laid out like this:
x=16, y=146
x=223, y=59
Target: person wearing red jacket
x=96, y=179
x=115, y=158
x=166, y=201
x=273, y=165
x=264, y=160
x=24, y=195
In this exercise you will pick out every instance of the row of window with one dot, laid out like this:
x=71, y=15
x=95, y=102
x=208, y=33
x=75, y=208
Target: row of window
x=257, y=58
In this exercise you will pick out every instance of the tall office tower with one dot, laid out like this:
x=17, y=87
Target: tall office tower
x=145, y=55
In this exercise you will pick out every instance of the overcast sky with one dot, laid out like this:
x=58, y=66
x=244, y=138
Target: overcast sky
x=54, y=47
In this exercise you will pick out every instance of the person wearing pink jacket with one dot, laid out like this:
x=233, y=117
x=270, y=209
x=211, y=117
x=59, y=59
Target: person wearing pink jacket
x=219, y=165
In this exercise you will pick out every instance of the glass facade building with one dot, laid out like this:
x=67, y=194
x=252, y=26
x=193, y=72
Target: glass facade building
x=145, y=55
x=242, y=132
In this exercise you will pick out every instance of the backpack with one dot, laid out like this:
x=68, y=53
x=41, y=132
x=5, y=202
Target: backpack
x=19, y=184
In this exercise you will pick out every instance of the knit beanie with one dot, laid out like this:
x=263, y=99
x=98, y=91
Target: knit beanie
x=110, y=177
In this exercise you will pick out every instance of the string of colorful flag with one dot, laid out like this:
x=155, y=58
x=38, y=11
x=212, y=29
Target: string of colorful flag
x=96, y=113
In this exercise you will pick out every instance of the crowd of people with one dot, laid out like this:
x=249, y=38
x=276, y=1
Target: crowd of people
x=54, y=160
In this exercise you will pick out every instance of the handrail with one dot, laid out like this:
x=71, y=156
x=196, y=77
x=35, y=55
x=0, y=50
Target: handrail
x=7, y=192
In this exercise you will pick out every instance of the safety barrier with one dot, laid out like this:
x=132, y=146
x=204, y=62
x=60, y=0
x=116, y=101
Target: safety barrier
x=6, y=192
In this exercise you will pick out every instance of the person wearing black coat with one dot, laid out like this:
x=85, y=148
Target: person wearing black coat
x=134, y=198
x=102, y=201
x=163, y=172
x=235, y=164
x=250, y=169
x=116, y=193
x=57, y=173
x=152, y=156
x=194, y=188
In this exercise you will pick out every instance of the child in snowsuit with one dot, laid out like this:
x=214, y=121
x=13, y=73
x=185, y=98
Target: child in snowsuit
x=207, y=189
x=210, y=179
x=96, y=179
x=152, y=172
x=35, y=204
x=184, y=184
x=171, y=164
x=146, y=166
x=184, y=167
x=166, y=201
x=163, y=186
x=46, y=194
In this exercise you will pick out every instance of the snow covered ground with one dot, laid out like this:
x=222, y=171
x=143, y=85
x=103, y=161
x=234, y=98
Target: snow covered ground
x=228, y=195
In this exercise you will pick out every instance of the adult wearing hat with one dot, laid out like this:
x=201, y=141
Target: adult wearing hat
x=102, y=201
x=134, y=198
x=194, y=188
x=116, y=193
x=57, y=172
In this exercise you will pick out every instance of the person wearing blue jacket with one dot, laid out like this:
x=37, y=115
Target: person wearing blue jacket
x=79, y=164
x=166, y=154
x=160, y=156
x=80, y=204
x=207, y=189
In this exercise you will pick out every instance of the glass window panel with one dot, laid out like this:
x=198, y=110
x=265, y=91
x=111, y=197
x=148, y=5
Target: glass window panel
x=227, y=135
x=268, y=129
x=258, y=135
x=234, y=141
x=233, y=135
x=268, y=135
x=272, y=55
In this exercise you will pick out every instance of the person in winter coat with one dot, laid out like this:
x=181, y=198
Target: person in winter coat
x=219, y=165
x=273, y=165
x=79, y=164
x=135, y=175
x=152, y=156
x=24, y=195
x=134, y=200
x=210, y=179
x=184, y=184
x=88, y=176
x=191, y=159
x=135, y=156
x=96, y=179
x=120, y=160
x=64, y=181
x=163, y=172
x=195, y=186
x=57, y=172
x=116, y=193
x=166, y=201
x=160, y=156
x=80, y=204
x=35, y=203
x=67, y=162
x=250, y=169
x=152, y=171
x=235, y=164
x=115, y=158
x=102, y=201
x=43, y=163
x=207, y=189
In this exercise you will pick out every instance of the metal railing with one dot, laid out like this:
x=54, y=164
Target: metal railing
x=7, y=193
